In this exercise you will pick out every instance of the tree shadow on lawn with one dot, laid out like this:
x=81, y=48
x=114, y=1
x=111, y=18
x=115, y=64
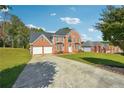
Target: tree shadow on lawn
x=122, y=54
x=8, y=76
x=105, y=62
x=35, y=75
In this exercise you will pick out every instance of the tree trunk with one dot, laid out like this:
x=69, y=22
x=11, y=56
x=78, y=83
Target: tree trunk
x=4, y=44
x=12, y=43
x=3, y=29
x=3, y=32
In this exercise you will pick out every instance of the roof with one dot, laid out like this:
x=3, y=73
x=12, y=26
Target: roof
x=49, y=35
x=35, y=35
x=63, y=31
x=90, y=43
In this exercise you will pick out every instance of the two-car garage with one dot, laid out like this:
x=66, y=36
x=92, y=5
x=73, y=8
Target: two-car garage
x=41, y=50
x=42, y=45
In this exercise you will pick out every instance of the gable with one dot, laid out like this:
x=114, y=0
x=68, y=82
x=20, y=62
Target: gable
x=41, y=41
x=35, y=35
x=74, y=35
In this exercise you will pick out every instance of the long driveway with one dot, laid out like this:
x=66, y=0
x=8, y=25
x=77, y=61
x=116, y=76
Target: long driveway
x=53, y=71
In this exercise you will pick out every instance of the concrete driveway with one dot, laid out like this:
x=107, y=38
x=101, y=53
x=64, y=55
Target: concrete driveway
x=53, y=71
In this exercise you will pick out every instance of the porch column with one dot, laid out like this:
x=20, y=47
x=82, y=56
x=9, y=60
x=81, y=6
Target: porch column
x=54, y=45
x=66, y=44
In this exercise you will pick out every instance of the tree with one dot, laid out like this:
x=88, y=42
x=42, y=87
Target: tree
x=16, y=34
x=25, y=37
x=4, y=7
x=19, y=33
x=5, y=18
x=36, y=29
x=111, y=24
x=13, y=33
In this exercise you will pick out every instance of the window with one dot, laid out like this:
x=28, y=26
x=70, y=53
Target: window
x=73, y=39
x=79, y=47
x=69, y=39
x=59, y=47
x=78, y=40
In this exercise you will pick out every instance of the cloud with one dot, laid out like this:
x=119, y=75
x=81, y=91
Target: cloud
x=1, y=19
x=33, y=26
x=99, y=38
x=43, y=28
x=51, y=31
x=52, y=14
x=73, y=9
x=70, y=20
x=92, y=30
x=86, y=38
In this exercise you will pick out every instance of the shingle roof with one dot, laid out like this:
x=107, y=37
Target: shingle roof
x=35, y=35
x=49, y=35
x=63, y=31
x=90, y=43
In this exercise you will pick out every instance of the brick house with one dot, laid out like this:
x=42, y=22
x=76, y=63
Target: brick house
x=64, y=40
x=100, y=47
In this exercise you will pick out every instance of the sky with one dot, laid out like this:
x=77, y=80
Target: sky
x=51, y=18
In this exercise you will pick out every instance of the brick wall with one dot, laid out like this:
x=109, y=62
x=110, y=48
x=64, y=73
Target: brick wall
x=41, y=42
x=75, y=42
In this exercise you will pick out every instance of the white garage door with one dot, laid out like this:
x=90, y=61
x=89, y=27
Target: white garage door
x=69, y=49
x=47, y=50
x=37, y=50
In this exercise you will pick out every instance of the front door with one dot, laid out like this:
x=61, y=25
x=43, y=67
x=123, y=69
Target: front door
x=59, y=47
x=70, y=49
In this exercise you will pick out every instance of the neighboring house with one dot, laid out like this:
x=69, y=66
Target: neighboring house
x=100, y=47
x=87, y=46
x=65, y=40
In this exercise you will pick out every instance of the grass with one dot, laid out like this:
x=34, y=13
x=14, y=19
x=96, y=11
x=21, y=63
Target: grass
x=114, y=60
x=12, y=62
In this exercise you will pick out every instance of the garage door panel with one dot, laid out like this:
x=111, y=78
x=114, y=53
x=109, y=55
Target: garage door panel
x=47, y=50
x=37, y=50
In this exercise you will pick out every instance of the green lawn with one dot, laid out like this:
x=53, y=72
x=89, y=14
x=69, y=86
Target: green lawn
x=12, y=62
x=114, y=60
